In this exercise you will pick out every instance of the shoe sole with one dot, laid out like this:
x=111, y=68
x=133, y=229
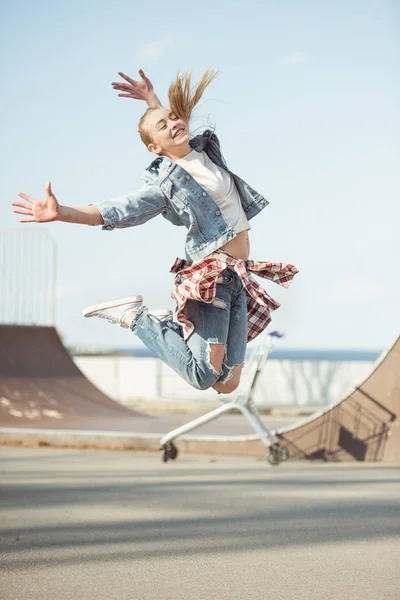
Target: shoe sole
x=111, y=304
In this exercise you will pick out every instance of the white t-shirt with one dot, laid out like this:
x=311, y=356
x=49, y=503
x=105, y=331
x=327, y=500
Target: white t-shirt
x=219, y=184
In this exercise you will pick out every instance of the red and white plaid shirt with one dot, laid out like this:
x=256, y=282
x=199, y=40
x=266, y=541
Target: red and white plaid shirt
x=198, y=281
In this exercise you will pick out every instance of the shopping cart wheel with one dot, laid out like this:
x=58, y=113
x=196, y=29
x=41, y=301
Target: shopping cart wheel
x=170, y=451
x=277, y=455
x=284, y=454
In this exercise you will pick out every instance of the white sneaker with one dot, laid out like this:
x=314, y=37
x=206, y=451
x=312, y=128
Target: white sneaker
x=114, y=310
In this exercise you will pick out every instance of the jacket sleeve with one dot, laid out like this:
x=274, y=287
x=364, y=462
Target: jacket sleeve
x=133, y=209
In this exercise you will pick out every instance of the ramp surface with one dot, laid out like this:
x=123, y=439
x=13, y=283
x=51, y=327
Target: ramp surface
x=364, y=426
x=40, y=386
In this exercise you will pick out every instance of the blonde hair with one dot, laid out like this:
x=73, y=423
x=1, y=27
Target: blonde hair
x=144, y=134
x=182, y=97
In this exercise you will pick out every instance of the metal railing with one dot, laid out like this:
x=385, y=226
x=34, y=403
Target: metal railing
x=27, y=276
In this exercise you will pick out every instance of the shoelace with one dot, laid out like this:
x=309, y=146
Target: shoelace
x=113, y=320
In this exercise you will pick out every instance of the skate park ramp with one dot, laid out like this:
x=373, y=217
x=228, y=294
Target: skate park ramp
x=364, y=426
x=40, y=386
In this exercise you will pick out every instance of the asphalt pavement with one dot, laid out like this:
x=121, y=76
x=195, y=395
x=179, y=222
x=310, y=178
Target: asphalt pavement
x=97, y=525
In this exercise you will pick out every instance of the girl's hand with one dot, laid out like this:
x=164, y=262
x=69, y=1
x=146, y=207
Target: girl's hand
x=139, y=90
x=38, y=211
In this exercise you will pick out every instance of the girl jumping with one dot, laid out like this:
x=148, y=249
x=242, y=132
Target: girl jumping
x=219, y=304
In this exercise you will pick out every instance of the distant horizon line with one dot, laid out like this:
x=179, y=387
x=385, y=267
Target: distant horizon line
x=316, y=354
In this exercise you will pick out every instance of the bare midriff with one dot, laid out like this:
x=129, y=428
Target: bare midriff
x=239, y=247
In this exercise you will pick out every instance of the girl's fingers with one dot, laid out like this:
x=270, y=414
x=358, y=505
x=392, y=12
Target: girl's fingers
x=128, y=96
x=21, y=211
x=128, y=79
x=122, y=86
x=27, y=220
x=26, y=197
x=48, y=189
x=22, y=205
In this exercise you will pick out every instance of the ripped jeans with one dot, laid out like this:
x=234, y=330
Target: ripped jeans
x=224, y=321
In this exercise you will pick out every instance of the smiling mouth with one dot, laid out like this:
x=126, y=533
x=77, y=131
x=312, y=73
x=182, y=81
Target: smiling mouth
x=179, y=132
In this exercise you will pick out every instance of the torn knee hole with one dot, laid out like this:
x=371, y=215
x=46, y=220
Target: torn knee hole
x=214, y=356
x=218, y=303
x=228, y=377
x=231, y=373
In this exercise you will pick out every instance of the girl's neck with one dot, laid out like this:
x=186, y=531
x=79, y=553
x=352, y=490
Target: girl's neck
x=179, y=152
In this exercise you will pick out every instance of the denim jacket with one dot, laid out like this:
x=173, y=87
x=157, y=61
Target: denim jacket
x=169, y=190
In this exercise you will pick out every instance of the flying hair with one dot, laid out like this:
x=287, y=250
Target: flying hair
x=183, y=97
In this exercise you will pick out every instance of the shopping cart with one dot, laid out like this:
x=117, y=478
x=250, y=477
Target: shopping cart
x=256, y=357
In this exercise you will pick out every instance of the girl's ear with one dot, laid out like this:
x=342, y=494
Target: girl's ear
x=154, y=148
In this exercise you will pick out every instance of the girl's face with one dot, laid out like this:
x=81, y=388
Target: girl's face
x=169, y=134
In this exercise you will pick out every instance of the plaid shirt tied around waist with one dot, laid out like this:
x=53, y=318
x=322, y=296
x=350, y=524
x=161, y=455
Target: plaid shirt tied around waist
x=198, y=281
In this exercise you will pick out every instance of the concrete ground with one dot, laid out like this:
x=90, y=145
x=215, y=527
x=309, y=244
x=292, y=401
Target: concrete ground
x=96, y=525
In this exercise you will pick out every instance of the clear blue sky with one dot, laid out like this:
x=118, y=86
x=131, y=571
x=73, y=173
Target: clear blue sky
x=306, y=108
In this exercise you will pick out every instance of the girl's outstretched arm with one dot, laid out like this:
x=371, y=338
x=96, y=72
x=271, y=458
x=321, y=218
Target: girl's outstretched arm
x=44, y=211
x=139, y=90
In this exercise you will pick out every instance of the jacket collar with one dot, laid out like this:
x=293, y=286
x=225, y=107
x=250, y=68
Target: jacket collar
x=161, y=163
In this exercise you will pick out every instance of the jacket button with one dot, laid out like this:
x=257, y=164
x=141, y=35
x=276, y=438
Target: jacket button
x=218, y=213
x=187, y=176
x=204, y=194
